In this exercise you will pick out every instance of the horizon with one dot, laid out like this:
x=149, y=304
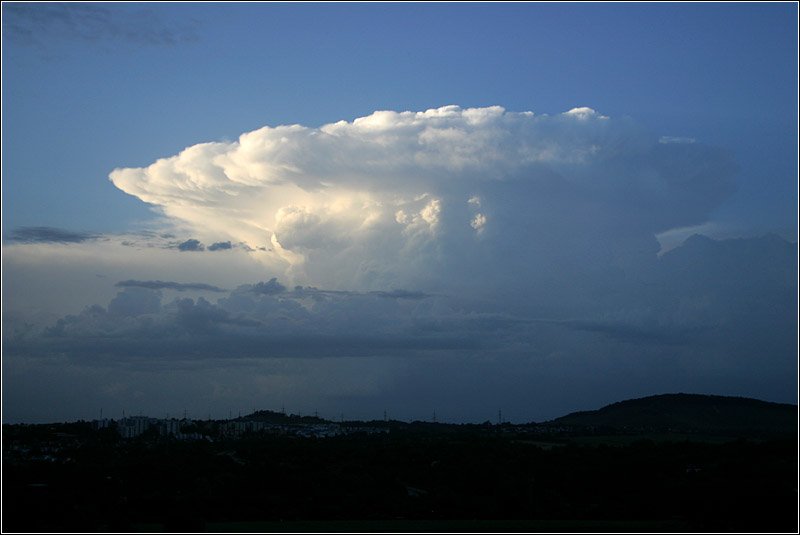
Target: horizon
x=387, y=418
x=236, y=205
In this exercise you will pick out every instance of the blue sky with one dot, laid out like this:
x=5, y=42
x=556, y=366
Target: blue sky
x=439, y=248
x=79, y=102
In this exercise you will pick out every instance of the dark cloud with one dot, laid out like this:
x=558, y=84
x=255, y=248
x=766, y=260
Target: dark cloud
x=136, y=326
x=201, y=315
x=712, y=316
x=191, y=245
x=135, y=302
x=49, y=235
x=271, y=287
x=33, y=23
x=169, y=285
x=220, y=246
x=150, y=239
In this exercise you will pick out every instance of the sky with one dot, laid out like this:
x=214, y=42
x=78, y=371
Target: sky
x=356, y=208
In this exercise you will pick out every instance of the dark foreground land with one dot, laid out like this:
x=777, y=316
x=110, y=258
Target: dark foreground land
x=415, y=477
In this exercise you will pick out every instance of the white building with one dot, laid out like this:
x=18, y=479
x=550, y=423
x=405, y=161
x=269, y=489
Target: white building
x=133, y=426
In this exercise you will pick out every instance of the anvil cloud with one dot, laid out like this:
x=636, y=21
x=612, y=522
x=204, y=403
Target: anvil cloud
x=421, y=199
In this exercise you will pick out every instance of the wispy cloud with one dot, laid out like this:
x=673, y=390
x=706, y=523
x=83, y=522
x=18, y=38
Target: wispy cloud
x=401, y=294
x=36, y=23
x=664, y=335
x=664, y=140
x=169, y=285
x=49, y=235
x=310, y=291
x=273, y=287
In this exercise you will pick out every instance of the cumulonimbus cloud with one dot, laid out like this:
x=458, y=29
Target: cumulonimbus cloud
x=392, y=198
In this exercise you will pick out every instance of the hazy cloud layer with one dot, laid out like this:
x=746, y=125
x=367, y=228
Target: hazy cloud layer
x=709, y=316
x=425, y=199
x=254, y=321
x=698, y=290
x=58, y=278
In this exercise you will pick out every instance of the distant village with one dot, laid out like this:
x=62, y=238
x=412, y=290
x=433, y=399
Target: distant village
x=187, y=429
x=273, y=423
x=54, y=442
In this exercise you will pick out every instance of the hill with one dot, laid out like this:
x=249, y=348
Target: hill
x=690, y=413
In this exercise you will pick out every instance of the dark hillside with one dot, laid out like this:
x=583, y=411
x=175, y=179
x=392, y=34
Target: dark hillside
x=692, y=413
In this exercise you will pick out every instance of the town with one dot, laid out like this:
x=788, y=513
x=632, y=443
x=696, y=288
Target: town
x=48, y=442
x=187, y=429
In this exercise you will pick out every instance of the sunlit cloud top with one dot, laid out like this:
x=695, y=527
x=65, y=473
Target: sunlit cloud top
x=412, y=189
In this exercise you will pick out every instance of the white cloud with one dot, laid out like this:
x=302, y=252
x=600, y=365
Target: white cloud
x=673, y=139
x=378, y=202
x=478, y=222
x=584, y=113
